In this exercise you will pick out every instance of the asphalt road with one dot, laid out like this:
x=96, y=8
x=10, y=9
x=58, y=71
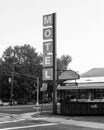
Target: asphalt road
x=20, y=109
x=12, y=118
x=40, y=126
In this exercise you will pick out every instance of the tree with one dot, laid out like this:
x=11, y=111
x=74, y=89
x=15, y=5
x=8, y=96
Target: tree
x=27, y=66
x=62, y=63
x=26, y=59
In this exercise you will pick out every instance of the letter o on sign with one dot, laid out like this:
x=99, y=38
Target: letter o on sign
x=47, y=33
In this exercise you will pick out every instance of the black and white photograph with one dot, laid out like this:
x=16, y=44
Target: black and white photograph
x=51, y=65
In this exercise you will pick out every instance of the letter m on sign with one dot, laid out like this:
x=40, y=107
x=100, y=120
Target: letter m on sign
x=47, y=20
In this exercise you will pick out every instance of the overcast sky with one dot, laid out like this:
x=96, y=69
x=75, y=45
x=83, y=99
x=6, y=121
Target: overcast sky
x=80, y=28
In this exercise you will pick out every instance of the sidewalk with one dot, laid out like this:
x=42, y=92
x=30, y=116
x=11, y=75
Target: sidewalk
x=95, y=122
x=64, y=120
x=96, y=119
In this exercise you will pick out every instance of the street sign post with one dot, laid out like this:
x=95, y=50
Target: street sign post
x=44, y=87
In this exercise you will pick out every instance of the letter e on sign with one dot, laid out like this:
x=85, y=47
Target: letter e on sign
x=47, y=20
x=47, y=60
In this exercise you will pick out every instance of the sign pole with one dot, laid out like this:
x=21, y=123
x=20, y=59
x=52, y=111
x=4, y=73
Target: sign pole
x=54, y=67
x=37, y=93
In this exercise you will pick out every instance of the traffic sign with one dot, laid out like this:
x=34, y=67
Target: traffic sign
x=44, y=87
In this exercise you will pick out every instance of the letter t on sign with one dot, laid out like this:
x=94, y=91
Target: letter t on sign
x=48, y=47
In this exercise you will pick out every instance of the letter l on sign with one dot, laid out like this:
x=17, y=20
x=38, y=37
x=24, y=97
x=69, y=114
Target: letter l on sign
x=48, y=74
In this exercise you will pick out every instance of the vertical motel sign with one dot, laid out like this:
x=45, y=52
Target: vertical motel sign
x=49, y=54
x=48, y=47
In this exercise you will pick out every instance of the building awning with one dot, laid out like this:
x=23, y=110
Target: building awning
x=69, y=75
x=87, y=80
x=83, y=86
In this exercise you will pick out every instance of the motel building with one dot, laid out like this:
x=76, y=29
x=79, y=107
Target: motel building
x=82, y=95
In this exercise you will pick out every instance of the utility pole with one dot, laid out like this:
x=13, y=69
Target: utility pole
x=37, y=93
x=12, y=85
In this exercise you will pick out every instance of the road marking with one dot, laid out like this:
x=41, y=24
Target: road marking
x=30, y=126
x=12, y=121
x=12, y=109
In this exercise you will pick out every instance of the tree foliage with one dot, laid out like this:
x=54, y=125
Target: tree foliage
x=27, y=65
x=62, y=63
x=26, y=59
